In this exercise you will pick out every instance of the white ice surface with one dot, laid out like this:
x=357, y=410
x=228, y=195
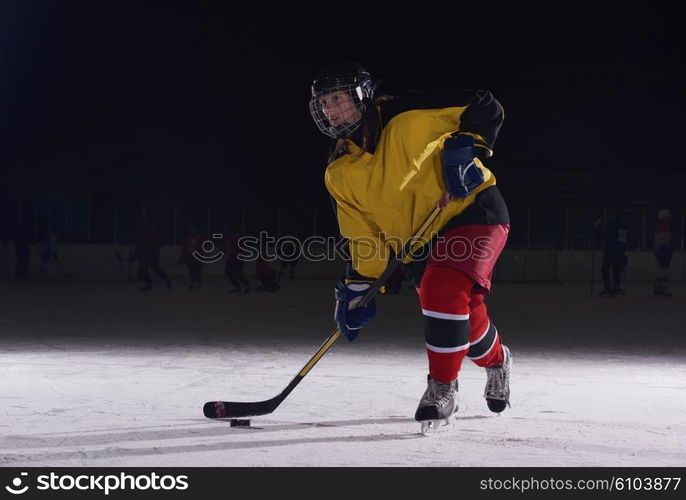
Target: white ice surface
x=98, y=374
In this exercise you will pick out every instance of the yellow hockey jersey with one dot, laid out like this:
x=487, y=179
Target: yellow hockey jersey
x=383, y=196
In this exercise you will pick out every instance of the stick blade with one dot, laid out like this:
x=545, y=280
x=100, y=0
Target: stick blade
x=228, y=409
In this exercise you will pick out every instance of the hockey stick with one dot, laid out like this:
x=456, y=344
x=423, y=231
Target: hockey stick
x=231, y=409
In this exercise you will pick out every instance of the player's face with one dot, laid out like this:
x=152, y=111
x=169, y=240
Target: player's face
x=339, y=108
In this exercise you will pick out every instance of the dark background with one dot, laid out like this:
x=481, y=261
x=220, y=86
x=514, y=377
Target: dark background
x=109, y=107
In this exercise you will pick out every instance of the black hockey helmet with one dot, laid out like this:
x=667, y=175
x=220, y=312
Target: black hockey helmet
x=340, y=96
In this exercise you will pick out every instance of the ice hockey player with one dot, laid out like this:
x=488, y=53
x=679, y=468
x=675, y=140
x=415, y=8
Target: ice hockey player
x=192, y=243
x=663, y=252
x=614, y=234
x=266, y=277
x=392, y=159
x=233, y=266
x=148, y=248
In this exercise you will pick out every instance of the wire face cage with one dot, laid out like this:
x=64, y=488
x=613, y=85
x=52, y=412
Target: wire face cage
x=338, y=110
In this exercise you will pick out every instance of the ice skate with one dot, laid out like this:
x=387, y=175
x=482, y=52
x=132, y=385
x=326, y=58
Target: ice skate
x=438, y=406
x=497, y=392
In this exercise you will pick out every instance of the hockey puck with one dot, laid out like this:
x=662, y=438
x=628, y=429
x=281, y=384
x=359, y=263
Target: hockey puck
x=240, y=423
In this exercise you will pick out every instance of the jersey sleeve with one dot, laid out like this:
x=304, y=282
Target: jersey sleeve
x=479, y=113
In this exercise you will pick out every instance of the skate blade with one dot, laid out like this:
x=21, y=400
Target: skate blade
x=433, y=427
